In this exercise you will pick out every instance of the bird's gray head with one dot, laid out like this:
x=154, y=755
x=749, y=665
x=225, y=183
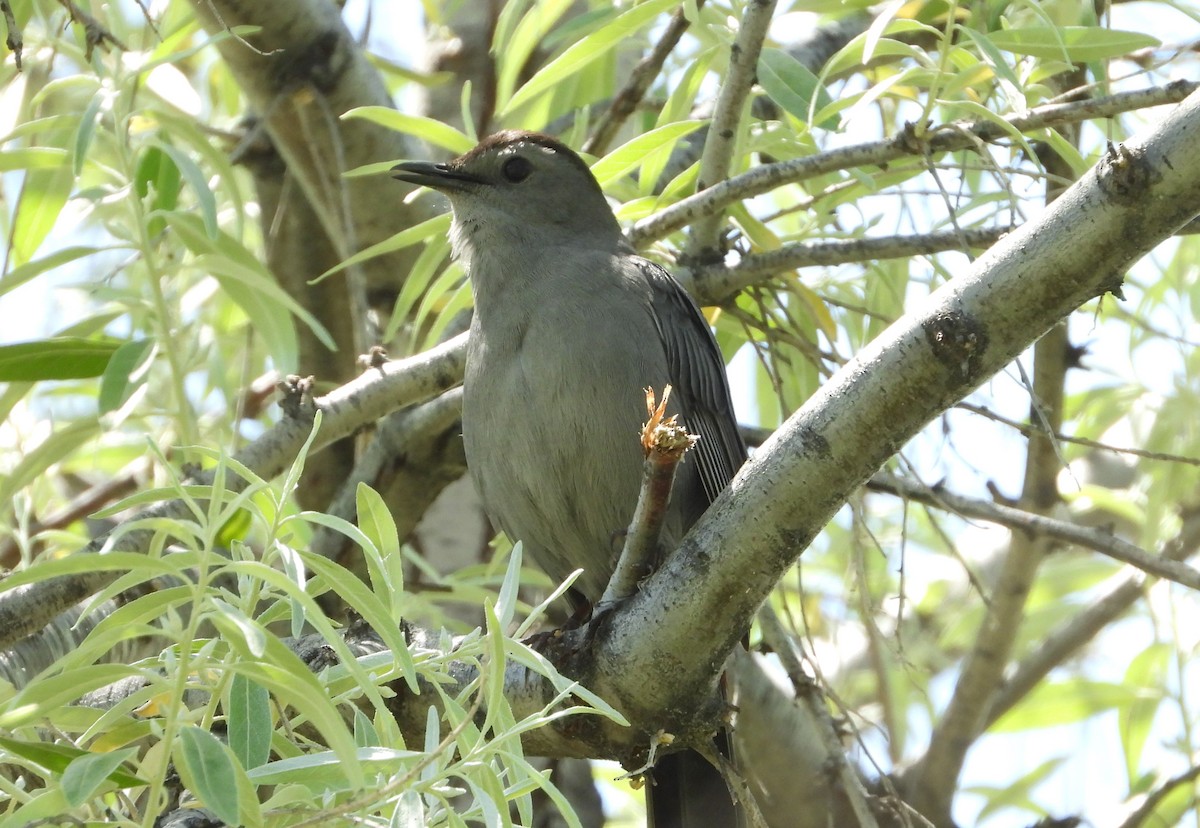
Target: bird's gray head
x=518, y=188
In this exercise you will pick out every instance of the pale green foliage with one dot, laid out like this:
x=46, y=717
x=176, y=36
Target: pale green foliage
x=139, y=243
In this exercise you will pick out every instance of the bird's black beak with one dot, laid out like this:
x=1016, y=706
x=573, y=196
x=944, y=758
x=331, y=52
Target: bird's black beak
x=435, y=176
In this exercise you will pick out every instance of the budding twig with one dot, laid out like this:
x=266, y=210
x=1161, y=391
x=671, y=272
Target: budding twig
x=664, y=442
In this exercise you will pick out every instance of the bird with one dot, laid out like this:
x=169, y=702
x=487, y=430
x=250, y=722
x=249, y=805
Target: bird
x=570, y=326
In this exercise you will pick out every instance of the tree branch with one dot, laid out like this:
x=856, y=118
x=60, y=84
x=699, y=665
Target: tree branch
x=969, y=329
x=1156, y=797
x=947, y=138
x=301, y=71
x=716, y=283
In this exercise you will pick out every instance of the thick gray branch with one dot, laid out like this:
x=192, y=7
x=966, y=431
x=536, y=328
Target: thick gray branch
x=972, y=327
x=301, y=72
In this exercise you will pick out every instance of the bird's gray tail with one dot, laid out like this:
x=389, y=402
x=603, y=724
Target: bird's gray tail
x=686, y=791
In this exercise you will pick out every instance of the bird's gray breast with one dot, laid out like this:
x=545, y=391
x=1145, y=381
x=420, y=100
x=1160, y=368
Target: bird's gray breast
x=553, y=403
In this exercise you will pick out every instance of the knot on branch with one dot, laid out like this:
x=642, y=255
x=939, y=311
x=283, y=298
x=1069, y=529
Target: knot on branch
x=297, y=401
x=1124, y=175
x=318, y=65
x=958, y=341
x=375, y=358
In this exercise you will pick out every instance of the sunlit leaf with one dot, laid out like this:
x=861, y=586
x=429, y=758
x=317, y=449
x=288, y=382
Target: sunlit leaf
x=431, y=131
x=630, y=155
x=1074, y=44
x=156, y=169
x=791, y=85
x=583, y=52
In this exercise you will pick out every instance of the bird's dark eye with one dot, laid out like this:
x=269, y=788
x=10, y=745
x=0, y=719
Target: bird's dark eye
x=516, y=169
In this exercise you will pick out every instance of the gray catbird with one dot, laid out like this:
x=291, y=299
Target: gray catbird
x=570, y=326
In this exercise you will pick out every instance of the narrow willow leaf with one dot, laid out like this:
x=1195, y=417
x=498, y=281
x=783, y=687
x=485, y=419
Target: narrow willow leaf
x=583, y=52
x=630, y=155
x=156, y=168
x=30, y=270
x=196, y=179
x=791, y=85
x=43, y=195
x=1074, y=44
x=57, y=358
x=431, y=131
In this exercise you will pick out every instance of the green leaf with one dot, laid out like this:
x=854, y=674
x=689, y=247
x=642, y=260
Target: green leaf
x=1065, y=702
x=791, y=85
x=43, y=194
x=264, y=303
x=58, y=758
x=88, y=772
x=57, y=358
x=631, y=155
x=30, y=270
x=117, y=383
x=427, y=129
x=157, y=168
x=513, y=41
x=240, y=630
x=251, y=285
x=199, y=184
x=87, y=128
x=375, y=520
x=585, y=51
x=1074, y=44
x=207, y=769
x=32, y=158
x=327, y=769
x=1017, y=793
x=418, y=232
x=248, y=713
x=1148, y=669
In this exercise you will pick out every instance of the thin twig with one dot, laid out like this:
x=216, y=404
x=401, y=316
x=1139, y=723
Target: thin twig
x=648, y=68
x=1155, y=797
x=717, y=282
x=13, y=40
x=1027, y=429
x=1053, y=650
x=1039, y=525
x=808, y=693
x=149, y=18
x=93, y=33
x=229, y=29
